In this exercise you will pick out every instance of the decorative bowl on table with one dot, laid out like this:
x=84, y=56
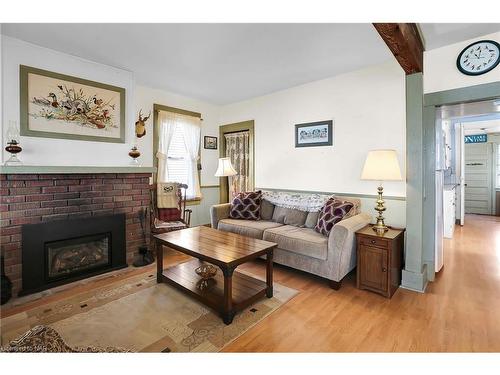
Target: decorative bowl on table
x=206, y=271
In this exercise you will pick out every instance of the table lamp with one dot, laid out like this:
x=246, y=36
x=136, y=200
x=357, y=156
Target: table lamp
x=381, y=165
x=225, y=169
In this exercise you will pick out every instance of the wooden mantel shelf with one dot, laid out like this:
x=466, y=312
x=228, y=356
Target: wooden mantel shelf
x=43, y=169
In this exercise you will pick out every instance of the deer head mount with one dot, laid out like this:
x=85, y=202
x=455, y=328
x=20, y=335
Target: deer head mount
x=140, y=125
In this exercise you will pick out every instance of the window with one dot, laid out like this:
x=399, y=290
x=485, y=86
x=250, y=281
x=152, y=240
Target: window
x=178, y=149
x=177, y=158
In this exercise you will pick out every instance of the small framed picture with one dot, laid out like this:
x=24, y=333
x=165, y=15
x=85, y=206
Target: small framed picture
x=314, y=134
x=210, y=143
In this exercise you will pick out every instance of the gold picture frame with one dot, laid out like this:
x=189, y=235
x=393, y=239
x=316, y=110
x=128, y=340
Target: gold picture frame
x=60, y=106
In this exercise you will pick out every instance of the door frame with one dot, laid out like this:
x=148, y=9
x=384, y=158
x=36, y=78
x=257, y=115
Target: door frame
x=431, y=102
x=233, y=128
x=462, y=174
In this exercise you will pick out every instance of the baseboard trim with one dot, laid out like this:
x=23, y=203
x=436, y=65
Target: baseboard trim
x=414, y=290
x=414, y=281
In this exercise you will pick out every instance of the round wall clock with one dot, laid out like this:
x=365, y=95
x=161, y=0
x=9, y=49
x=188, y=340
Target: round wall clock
x=479, y=57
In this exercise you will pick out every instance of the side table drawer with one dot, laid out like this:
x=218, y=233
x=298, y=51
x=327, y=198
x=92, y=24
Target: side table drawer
x=373, y=241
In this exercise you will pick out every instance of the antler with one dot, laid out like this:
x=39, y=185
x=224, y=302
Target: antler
x=140, y=114
x=146, y=118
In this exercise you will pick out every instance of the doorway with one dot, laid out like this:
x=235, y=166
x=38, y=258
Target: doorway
x=471, y=139
x=466, y=173
x=237, y=143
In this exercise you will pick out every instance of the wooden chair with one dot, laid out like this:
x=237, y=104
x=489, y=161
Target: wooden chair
x=165, y=220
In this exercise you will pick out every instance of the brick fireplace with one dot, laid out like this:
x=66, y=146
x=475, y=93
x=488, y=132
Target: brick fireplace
x=43, y=197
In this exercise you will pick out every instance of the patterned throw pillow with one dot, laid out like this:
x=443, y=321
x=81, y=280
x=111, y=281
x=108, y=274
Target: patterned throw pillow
x=246, y=205
x=331, y=213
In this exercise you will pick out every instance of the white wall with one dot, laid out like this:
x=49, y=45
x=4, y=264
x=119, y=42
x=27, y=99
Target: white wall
x=53, y=152
x=440, y=69
x=145, y=97
x=47, y=151
x=1, y=93
x=367, y=106
x=368, y=109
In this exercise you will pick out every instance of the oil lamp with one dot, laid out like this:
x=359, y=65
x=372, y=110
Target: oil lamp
x=13, y=147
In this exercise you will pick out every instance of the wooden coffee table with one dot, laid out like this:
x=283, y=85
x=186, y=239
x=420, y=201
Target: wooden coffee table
x=229, y=292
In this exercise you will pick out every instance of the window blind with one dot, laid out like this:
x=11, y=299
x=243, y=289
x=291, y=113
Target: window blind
x=177, y=158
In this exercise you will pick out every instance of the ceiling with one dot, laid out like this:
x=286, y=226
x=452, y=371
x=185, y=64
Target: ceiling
x=437, y=35
x=226, y=63
x=481, y=127
x=472, y=109
x=477, y=117
x=218, y=63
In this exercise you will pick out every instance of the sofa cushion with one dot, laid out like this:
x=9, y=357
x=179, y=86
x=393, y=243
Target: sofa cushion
x=246, y=205
x=249, y=228
x=289, y=216
x=331, y=213
x=303, y=241
x=311, y=219
x=296, y=218
x=356, y=202
x=279, y=214
x=266, y=210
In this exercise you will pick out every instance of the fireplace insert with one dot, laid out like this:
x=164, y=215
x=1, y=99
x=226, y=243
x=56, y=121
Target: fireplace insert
x=77, y=255
x=59, y=252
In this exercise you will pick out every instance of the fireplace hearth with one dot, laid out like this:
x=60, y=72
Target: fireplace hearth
x=59, y=252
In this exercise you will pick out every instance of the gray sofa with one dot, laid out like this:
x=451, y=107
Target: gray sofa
x=299, y=245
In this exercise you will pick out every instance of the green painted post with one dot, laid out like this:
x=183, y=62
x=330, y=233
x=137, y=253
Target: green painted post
x=413, y=276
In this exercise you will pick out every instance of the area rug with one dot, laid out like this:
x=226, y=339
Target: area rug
x=139, y=315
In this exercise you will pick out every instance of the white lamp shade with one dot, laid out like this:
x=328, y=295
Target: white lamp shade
x=225, y=168
x=381, y=165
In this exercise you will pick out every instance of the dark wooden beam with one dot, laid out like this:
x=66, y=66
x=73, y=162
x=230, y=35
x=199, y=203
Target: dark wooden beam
x=403, y=39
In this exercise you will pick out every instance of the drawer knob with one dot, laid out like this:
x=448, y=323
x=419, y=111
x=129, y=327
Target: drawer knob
x=384, y=269
x=373, y=241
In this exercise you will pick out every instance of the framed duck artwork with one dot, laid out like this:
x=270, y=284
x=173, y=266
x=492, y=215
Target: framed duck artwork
x=56, y=105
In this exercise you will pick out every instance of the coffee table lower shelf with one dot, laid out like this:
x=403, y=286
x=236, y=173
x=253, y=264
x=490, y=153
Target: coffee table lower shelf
x=245, y=289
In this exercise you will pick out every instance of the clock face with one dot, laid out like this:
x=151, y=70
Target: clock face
x=479, y=58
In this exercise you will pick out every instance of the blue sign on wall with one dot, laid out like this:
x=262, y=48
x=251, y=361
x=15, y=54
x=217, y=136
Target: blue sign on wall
x=476, y=138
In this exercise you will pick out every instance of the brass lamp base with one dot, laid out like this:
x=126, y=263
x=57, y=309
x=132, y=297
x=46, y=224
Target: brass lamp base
x=380, y=228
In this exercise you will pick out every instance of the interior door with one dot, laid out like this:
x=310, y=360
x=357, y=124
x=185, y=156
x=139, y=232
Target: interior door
x=478, y=178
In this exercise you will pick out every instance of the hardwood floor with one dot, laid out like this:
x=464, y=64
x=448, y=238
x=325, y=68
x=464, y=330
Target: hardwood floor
x=458, y=312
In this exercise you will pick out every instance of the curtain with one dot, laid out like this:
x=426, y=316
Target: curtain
x=166, y=128
x=238, y=150
x=192, y=135
x=168, y=123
